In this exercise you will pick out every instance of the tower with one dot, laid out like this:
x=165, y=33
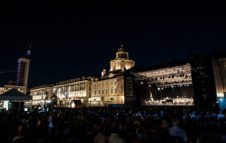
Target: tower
x=121, y=61
x=23, y=69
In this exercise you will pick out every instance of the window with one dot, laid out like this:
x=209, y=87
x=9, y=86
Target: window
x=72, y=88
x=111, y=90
x=115, y=90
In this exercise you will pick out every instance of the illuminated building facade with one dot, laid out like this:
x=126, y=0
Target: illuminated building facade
x=107, y=91
x=22, y=89
x=121, y=62
x=74, y=89
x=41, y=95
x=90, y=91
x=2, y=90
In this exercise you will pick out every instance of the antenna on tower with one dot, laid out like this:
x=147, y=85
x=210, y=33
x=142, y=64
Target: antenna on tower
x=121, y=46
x=29, y=50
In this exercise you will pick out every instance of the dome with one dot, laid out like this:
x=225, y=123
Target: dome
x=122, y=54
x=122, y=61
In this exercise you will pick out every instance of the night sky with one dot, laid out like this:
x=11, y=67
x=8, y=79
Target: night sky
x=79, y=39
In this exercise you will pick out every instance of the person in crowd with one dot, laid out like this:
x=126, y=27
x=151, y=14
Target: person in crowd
x=102, y=135
x=115, y=137
x=20, y=137
x=129, y=124
x=177, y=133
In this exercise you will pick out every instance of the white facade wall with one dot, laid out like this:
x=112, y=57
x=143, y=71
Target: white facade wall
x=107, y=91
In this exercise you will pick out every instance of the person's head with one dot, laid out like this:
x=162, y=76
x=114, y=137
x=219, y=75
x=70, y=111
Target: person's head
x=50, y=118
x=164, y=124
x=89, y=126
x=39, y=123
x=21, y=130
x=175, y=122
x=104, y=130
x=115, y=128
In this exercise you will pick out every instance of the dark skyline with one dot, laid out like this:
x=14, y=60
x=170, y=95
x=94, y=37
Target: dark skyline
x=79, y=39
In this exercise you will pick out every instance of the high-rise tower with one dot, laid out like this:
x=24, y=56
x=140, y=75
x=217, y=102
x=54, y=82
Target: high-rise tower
x=23, y=70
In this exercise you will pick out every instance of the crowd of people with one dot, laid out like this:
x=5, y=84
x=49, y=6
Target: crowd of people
x=114, y=125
